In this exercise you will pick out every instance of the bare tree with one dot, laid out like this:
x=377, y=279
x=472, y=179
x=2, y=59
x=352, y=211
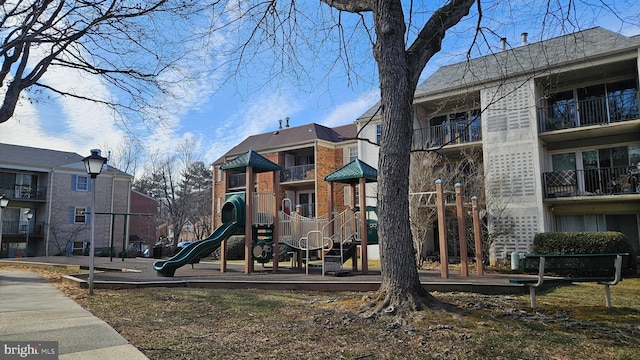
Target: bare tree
x=463, y=168
x=123, y=43
x=400, y=65
x=196, y=191
x=162, y=180
x=63, y=235
x=182, y=185
x=127, y=155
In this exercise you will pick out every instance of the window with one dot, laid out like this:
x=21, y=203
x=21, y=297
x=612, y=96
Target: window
x=353, y=153
x=563, y=161
x=81, y=183
x=80, y=215
x=576, y=223
x=378, y=133
x=562, y=110
x=622, y=100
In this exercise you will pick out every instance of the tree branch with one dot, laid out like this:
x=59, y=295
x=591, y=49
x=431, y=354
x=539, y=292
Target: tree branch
x=352, y=6
x=429, y=40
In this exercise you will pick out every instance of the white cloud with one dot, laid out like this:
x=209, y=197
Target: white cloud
x=62, y=123
x=24, y=129
x=347, y=113
x=259, y=116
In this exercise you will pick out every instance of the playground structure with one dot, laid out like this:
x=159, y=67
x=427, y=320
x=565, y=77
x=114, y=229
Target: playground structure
x=335, y=237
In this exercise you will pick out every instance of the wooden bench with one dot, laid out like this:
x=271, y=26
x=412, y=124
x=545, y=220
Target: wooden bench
x=605, y=269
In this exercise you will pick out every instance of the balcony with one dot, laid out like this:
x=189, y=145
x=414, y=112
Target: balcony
x=448, y=133
x=24, y=192
x=298, y=173
x=595, y=111
x=20, y=227
x=237, y=180
x=602, y=181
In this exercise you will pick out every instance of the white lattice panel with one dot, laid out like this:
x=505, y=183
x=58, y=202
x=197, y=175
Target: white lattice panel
x=515, y=232
x=511, y=174
x=508, y=111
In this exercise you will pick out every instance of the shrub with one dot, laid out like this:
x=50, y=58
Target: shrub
x=235, y=248
x=587, y=243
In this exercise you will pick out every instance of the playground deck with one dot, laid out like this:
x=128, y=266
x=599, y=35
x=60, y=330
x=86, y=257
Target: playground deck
x=139, y=272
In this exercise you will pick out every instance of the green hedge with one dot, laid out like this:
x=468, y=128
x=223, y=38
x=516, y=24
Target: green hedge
x=587, y=243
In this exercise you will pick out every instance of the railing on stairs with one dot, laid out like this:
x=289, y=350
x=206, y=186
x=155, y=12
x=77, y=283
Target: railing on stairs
x=315, y=241
x=319, y=233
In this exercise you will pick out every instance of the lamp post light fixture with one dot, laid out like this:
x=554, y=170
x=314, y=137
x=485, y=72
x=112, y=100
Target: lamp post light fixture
x=29, y=215
x=3, y=204
x=93, y=164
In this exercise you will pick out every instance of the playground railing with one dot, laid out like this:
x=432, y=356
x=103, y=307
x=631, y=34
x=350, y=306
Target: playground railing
x=345, y=225
x=292, y=227
x=263, y=208
x=314, y=240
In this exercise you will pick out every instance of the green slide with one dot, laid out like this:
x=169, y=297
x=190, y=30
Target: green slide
x=196, y=250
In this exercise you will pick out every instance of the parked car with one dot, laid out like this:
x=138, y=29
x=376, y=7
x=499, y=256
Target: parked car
x=184, y=244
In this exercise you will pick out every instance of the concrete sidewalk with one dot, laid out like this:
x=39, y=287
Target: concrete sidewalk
x=32, y=309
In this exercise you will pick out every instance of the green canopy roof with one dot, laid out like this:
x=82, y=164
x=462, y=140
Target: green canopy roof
x=253, y=159
x=353, y=172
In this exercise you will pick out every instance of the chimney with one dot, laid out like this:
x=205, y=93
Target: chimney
x=286, y=122
x=524, y=38
x=280, y=124
x=503, y=43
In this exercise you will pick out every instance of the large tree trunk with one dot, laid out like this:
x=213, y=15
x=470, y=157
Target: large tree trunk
x=400, y=290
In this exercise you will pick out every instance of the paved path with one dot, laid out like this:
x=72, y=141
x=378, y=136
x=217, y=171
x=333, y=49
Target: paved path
x=32, y=309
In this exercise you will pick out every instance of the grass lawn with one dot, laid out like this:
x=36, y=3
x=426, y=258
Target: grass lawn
x=570, y=323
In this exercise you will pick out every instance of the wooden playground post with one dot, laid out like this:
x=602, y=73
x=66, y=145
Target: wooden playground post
x=462, y=233
x=354, y=226
x=477, y=234
x=223, y=244
x=248, y=258
x=274, y=240
x=363, y=226
x=442, y=231
x=330, y=205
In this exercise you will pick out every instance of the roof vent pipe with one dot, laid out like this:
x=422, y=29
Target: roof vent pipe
x=280, y=124
x=503, y=43
x=524, y=38
x=286, y=121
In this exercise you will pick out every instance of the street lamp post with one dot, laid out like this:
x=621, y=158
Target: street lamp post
x=29, y=217
x=93, y=164
x=3, y=204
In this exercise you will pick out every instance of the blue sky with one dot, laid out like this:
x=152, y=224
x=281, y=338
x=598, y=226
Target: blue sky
x=215, y=116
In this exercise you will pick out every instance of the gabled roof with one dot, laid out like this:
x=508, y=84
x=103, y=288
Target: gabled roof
x=45, y=159
x=291, y=136
x=253, y=159
x=536, y=57
x=353, y=172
